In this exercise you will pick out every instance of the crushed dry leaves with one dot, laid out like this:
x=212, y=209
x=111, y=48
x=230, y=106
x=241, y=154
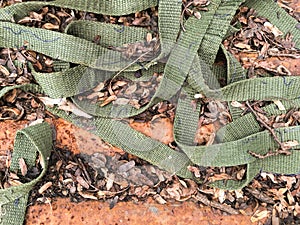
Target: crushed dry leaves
x=259, y=46
x=122, y=92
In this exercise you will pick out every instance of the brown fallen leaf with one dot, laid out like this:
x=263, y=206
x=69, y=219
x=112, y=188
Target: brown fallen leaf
x=273, y=29
x=45, y=187
x=259, y=215
x=82, y=182
x=108, y=100
x=23, y=166
x=205, y=133
x=243, y=46
x=87, y=195
x=159, y=199
x=161, y=129
x=4, y=71
x=50, y=26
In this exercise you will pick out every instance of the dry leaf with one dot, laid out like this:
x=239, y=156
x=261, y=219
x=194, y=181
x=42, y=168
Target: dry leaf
x=11, y=96
x=82, y=182
x=271, y=176
x=131, y=89
x=221, y=176
x=58, y=165
x=242, y=46
x=126, y=166
x=23, y=166
x=149, y=37
x=290, y=144
x=220, y=193
x=237, y=104
x=99, y=87
x=273, y=29
x=26, y=19
x=110, y=181
x=259, y=215
x=45, y=187
x=183, y=183
x=290, y=180
x=4, y=71
x=194, y=170
x=239, y=193
x=279, y=105
x=70, y=107
x=197, y=15
x=297, y=209
x=119, y=83
x=95, y=95
x=54, y=17
x=51, y=101
x=36, y=16
x=108, y=100
x=159, y=199
x=87, y=195
x=160, y=129
x=121, y=101
x=50, y=26
x=290, y=198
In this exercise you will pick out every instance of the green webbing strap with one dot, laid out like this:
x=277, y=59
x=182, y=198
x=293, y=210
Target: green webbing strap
x=133, y=142
x=115, y=8
x=191, y=55
x=175, y=71
x=28, y=142
x=111, y=34
x=27, y=87
x=185, y=126
x=44, y=41
x=218, y=28
x=79, y=79
x=179, y=48
x=169, y=25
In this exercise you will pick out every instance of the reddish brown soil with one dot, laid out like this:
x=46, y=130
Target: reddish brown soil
x=62, y=211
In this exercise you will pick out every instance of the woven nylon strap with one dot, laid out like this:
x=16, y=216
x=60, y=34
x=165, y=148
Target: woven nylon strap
x=189, y=69
x=28, y=142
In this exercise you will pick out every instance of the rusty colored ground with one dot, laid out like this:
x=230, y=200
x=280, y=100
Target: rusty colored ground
x=62, y=211
x=67, y=136
x=8, y=131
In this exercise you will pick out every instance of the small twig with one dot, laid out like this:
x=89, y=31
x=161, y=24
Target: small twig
x=283, y=149
x=182, y=15
x=223, y=207
x=264, y=124
x=270, y=153
x=272, y=41
x=284, y=55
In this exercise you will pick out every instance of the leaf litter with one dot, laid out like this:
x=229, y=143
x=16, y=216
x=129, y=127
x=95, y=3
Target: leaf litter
x=269, y=198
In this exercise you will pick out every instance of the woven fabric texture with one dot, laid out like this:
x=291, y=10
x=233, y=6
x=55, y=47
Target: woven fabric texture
x=186, y=59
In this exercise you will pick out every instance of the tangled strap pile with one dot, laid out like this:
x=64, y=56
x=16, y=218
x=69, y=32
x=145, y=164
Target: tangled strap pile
x=189, y=70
